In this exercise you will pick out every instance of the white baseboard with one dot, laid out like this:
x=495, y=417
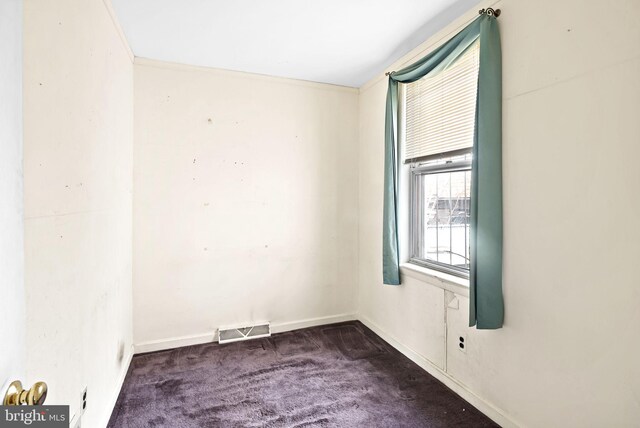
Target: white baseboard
x=311, y=322
x=116, y=394
x=197, y=339
x=173, y=342
x=488, y=409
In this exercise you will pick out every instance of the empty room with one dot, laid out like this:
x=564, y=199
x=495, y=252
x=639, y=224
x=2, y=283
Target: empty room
x=284, y=214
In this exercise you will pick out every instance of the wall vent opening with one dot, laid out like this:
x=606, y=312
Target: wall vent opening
x=236, y=334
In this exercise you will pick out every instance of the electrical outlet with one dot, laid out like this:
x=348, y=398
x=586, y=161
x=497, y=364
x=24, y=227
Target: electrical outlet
x=84, y=401
x=462, y=343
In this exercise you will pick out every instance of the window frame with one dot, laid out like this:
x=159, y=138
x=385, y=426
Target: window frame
x=413, y=170
x=416, y=214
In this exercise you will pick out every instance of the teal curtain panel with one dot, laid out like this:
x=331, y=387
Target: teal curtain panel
x=485, y=295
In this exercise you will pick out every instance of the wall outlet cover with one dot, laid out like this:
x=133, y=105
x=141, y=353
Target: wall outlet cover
x=83, y=406
x=462, y=343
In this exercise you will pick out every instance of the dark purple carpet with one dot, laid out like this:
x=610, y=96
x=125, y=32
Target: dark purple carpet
x=340, y=375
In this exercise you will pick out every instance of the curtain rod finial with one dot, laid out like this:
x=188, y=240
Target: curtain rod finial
x=388, y=73
x=490, y=11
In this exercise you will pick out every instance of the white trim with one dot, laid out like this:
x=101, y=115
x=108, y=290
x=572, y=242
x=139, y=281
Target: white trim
x=114, y=398
x=457, y=285
x=197, y=339
x=488, y=409
x=173, y=342
x=311, y=322
x=146, y=62
x=116, y=24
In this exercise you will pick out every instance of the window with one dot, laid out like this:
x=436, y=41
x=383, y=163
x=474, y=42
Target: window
x=439, y=120
x=440, y=193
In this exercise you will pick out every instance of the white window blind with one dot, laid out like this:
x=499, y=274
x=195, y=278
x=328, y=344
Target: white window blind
x=440, y=110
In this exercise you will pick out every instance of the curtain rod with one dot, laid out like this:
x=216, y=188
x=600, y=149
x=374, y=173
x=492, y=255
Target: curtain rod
x=489, y=11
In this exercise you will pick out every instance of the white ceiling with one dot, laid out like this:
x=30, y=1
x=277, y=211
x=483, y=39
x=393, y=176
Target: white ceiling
x=343, y=42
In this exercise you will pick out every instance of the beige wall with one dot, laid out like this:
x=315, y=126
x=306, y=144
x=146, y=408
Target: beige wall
x=567, y=355
x=12, y=304
x=245, y=202
x=78, y=130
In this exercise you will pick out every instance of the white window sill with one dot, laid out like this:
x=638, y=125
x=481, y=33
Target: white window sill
x=436, y=278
